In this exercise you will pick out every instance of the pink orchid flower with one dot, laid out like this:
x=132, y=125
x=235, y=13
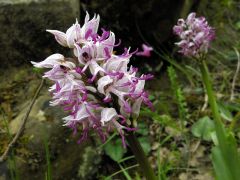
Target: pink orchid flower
x=195, y=35
x=88, y=85
x=146, y=51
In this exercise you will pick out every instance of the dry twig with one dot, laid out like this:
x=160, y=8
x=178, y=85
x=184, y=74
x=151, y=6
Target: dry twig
x=205, y=102
x=14, y=140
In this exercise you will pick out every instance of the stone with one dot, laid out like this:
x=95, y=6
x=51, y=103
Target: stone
x=89, y=165
x=45, y=124
x=23, y=33
x=23, y=24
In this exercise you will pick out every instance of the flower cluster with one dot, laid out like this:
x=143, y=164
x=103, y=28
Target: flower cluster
x=95, y=86
x=195, y=35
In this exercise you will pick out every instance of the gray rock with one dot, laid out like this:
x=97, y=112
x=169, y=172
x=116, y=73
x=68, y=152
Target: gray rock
x=90, y=161
x=23, y=23
x=45, y=123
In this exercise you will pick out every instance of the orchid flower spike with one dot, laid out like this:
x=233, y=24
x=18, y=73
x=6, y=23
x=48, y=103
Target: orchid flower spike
x=195, y=35
x=96, y=87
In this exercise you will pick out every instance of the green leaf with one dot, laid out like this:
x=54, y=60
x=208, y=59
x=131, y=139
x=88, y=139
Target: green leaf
x=151, y=98
x=145, y=143
x=226, y=161
x=220, y=165
x=115, y=150
x=214, y=138
x=162, y=119
x=127, y=176
x=238, y=25
x=203, y=128
x=224, y=112
x=37, y=70
x=142, y=129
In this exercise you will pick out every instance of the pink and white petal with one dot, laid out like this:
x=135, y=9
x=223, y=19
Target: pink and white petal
x=55, y=74
x=190, y=18
x=81, y=114
x=95, y=68
x=102, y=82
x=49, y=62
x=109, y=42
x=78, y=31
x=139, y=86
x=75, y=51
x=108, y=114
x=92, y=89
x=86, y=18
x=90, y=27
x=60, y=37
x=71, y=36
x=122, y=110
x=116, y=63
x=67, y=64
x=93, y=24
x=146, y=51
x=146, y=47
x=136, y=107
x=79, y=52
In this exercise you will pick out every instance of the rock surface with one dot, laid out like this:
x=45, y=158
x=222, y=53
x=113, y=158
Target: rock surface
x=23, y=23
x=44, y=123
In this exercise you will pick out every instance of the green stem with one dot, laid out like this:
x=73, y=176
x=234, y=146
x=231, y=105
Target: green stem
x=140, y=156
x=220, y=131
x=227, y=142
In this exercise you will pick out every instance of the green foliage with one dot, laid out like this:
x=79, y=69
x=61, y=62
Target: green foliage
x=145, y=143
x=11, y=162
x=127, y=176
x=180, y=99
x=225, y=112
x=181, y=67
x=225, y=155
x=227, y=3
x=164, y=119
x=37, y=70
x=237, y=25
x=203, y=128
x=142, y=129
x=115, y=150
x=123, y=170
x=219, y=165
x=226, y=161
x=163, y=167
x=48, y=173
